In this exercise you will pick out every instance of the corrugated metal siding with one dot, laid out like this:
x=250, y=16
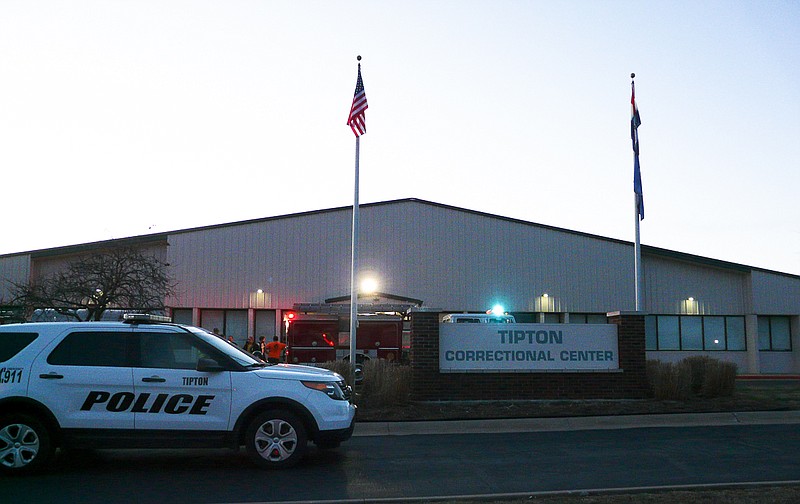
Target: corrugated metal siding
x=775, y=294
x=14, y=268
x=294, y=259
x=669, y=283
x=466, y=261
x=448, y=258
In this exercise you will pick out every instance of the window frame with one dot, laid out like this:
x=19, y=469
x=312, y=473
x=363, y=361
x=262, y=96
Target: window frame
x=770, y=319
x=653, y=333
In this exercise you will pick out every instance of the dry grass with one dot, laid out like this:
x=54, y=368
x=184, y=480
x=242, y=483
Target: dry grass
x=385, y=383
x=698, y=376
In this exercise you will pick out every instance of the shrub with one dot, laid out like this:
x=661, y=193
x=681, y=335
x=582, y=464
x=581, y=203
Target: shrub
x=693, y=376
x=341, y=367
x=697, y=367
x=720, y=379
x=669, y=381
x=385, y=383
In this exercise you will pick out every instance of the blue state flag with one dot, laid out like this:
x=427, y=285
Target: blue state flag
x=637, y=174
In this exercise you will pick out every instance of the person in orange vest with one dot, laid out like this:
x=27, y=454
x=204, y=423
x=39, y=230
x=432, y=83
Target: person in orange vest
x=275, y=350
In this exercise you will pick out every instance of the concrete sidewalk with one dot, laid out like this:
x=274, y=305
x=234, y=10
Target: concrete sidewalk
x=574, y=423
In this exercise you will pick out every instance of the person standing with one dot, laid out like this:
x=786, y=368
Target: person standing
x=276, y=350
x=250, y=345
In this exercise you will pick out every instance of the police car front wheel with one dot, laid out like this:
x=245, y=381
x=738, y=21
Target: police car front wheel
x=25, y=444
x=276, y=439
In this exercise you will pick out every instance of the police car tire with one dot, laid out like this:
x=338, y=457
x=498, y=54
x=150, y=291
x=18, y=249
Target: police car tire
x=276, y=439
x=25, y=444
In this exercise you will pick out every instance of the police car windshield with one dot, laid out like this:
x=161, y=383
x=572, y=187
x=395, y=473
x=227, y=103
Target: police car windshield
x=232, y=351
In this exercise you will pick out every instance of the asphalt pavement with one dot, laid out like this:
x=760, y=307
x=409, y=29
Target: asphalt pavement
x=574, y=423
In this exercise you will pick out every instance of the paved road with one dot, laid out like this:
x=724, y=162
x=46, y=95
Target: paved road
x=414, y=465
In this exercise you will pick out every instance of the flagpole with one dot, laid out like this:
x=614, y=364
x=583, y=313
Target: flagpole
x=357, y=124
x=637, y=256
x=353, y=267
x=637, y=201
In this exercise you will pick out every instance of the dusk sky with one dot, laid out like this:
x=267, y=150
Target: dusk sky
x=122, y=118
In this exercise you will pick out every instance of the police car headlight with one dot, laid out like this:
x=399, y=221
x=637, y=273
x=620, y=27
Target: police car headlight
x=331, y=389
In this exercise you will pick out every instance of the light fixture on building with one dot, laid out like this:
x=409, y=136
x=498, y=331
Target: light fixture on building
x=546, y=303
x=690, y=306
x=260, y=299
x=369, y=285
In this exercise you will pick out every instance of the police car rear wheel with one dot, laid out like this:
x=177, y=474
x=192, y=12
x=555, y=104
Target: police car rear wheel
x=276, y=439
x=25, y=444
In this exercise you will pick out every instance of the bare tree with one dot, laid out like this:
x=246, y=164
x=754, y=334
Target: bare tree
x=123, y=278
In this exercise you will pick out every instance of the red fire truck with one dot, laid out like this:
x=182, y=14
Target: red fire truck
x=314, y=337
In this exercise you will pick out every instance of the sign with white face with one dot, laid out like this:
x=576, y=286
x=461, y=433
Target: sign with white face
x=465, y=348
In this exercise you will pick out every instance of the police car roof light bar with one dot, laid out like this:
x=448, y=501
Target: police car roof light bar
x=144, y=318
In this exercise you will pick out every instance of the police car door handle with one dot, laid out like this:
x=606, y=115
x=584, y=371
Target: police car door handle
x=151, y=379
x=51, y=376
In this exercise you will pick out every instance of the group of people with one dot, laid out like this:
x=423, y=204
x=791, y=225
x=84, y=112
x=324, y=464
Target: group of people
x=274, y=351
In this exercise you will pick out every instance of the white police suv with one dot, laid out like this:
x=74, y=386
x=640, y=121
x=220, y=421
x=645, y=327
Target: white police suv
x=151, y=384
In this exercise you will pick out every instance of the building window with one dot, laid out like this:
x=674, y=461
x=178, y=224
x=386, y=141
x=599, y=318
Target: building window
x=691, y=333
x=588, y=318
x=669, y=333
x=265, y=324
x=226, y=322
x=714, y=333
x=182, y=316
x=774, y=333
x=735, y=333
x=694, y=332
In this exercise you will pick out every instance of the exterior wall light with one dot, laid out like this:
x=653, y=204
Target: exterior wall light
x=369, y=286
x=690, y=306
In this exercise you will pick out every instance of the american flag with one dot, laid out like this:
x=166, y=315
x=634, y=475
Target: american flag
x=356, y=120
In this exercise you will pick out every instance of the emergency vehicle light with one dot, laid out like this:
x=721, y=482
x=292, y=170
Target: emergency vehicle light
x=497, y=310
x=136, y=318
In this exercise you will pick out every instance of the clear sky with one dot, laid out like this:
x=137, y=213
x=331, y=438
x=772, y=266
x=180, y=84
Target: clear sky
x=122, y=118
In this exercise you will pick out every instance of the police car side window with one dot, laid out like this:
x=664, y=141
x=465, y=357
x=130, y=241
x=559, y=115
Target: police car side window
x=12, y=343
x=91, y=349
x=170, y=350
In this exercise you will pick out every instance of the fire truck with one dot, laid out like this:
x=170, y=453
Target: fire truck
x=321, y=333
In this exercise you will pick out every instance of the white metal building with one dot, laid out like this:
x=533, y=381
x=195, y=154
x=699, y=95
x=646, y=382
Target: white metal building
x=239, y=277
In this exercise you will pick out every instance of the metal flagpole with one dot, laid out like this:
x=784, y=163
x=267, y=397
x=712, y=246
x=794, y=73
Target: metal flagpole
x=357, y=122
x=637, y=197
x=637, y=259
x=353, y=267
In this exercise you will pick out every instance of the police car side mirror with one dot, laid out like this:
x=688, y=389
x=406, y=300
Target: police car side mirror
x=209, y=365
